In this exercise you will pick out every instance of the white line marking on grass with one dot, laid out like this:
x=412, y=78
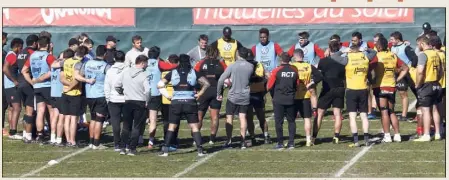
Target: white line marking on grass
x=353, y=160
x=194, y=165
x=412, y=105
x=58, y=160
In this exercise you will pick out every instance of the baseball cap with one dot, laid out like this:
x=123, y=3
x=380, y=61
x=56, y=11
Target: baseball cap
x=426, y=26
x=112, y=38
x=227, y=31
x=73, y=41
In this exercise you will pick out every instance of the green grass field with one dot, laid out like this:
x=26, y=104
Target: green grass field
x=405, y=159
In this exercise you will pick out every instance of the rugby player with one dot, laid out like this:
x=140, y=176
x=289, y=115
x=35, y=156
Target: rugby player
x=267, y=51
x=71, y=99
x=309, y=77
x=429, y=72
x=227, y=46
x=133, y=84
x=284, y=80
x=10, y=83
x=154, y=69
x=435, y=42
x=257, y=100
x=312, y=53
x=165, y=108
x=40, y=64
x=239, y=73
x=357, y=70
x=198, y=52
x=25, y=88
x=385, y=65
x=408, y=56
x=333, y=91
x=113, y=98
x=135, y=51
x=5, y=103
x=57, y=121
x=96, y=69
x=184, y=100
x=211, y=68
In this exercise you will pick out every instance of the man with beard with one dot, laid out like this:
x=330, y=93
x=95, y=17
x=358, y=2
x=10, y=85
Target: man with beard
x=227, y=46
x=198, y=52
x=135, y=51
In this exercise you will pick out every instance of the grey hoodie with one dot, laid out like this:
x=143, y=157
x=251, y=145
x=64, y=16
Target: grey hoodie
x=112, y=76
x=134, y=82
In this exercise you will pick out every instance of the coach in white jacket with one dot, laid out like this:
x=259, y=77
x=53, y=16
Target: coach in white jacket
x=136, y=50
x=114, y=99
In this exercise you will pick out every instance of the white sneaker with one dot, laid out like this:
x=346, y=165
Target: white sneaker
x=397, y=138
x=16, y=137
x=211, y=142
x=91, y=146
x=99, y=147
x=387, y=139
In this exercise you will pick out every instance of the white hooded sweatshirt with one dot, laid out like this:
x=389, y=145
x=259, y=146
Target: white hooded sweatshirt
x=112, y=76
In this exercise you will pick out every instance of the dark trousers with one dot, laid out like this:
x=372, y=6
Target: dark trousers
x=133, y=120
x=115, y=112
x=281, y=111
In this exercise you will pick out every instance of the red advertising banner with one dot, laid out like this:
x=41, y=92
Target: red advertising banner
x=291, y=16
x=20, y=17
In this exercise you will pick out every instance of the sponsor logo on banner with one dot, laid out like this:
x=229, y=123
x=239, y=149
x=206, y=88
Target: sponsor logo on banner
x=17, y=17
x=289, y=16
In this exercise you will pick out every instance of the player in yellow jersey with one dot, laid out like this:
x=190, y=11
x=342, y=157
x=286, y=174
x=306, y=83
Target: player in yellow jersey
x=227, y=46
x=309, y=77
x=357, y=68
x=385, y=65
x=429, y=72
x=436, y=44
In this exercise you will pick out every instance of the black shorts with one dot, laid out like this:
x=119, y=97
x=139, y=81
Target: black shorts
x=56, y=103
x=71, y=105
x=209, y=99
x=26, y=94
x=188, y=110
x=257, y=100
x=5, y=104
x=155, y=103
x=97, y=105
x=404, y=83
x=232, y=108
x=304, y=107
x=390, y=96
x=357, y=100
x=84, y=104
x=12, y=95
x=429, y=94
x=334, y=97
x=43, y=95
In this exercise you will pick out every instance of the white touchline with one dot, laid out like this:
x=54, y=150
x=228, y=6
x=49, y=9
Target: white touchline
x=194, y=165
x=353, y=161
x=58, y=161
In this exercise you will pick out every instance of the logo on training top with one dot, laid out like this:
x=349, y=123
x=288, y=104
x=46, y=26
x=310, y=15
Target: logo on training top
x=227, y=46
x=287, y=74
x=265, y=50
x=304, y=50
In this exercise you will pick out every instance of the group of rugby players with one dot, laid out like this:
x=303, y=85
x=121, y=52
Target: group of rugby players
x=132, y=87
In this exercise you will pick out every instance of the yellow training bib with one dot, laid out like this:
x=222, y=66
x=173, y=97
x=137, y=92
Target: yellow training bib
x=443, y=63
x=227, y=50
x=258, y=86
x=305, y=75
x=169, y=88
x=357, y=71
x=69, y=74
x=432, y=65
x=385, y=70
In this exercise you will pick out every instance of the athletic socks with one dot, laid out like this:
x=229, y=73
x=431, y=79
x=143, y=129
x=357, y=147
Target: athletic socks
x=308, y=138
x=12, y=132
x=419, y=131
x=96, y=142
x=28, y=136
x=265, y=134
x=168, y=138
x=52, y=137
x=197, y=138
x=212, y=137
x=365, y=136
x=336, y=135
x=58, y=140
x=91, y=141
x=356, y=137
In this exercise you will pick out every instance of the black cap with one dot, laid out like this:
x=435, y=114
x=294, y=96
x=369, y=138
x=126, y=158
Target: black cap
x=227, y=31
x=4, y=34
x=112, y=38
x=73, y=41
x=426, y=26
x=32, y=38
